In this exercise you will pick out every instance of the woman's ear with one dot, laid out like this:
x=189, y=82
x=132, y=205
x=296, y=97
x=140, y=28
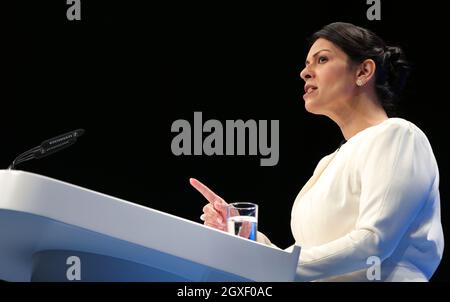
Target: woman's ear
x=365, y=72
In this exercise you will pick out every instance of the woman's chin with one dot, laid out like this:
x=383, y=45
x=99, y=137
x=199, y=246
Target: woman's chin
x=309, y=105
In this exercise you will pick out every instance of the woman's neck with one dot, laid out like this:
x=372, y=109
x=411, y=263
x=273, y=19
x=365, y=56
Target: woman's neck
x=359, y=115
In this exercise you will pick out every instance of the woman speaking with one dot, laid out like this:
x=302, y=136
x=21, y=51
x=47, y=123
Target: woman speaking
x=377, y=195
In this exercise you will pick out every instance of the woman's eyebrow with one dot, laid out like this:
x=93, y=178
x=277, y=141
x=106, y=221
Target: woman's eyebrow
x=324, y=49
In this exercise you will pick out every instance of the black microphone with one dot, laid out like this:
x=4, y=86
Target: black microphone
x=48, y=147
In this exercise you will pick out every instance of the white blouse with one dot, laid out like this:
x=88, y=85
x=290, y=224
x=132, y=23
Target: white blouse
x=377, y=195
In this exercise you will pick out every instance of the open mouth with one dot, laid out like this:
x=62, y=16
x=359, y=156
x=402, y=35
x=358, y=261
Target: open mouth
x=310, y=91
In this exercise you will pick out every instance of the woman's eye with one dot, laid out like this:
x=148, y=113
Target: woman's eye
x=322, y=59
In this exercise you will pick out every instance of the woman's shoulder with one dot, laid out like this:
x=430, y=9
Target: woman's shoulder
x=400, y=126
x=397, y=122
x=392, y=128
x=392, y=136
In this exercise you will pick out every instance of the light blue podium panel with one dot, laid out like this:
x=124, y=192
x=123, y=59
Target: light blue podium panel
x=54, y=231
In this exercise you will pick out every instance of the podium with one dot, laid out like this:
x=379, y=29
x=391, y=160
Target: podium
x=51, y=230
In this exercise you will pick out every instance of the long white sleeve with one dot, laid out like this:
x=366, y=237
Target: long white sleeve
x=387, y=176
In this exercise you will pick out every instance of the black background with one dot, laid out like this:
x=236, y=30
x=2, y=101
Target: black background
x=126, y=71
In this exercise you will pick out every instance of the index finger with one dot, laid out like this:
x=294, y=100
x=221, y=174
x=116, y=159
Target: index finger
x=205, y=191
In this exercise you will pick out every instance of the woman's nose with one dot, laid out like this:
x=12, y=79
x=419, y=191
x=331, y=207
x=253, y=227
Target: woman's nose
x=305, y=73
